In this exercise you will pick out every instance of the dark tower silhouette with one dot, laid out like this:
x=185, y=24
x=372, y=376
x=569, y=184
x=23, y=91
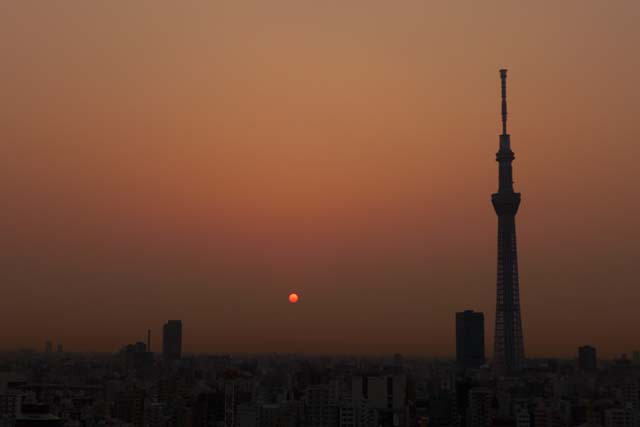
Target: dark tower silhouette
x=470, y=339
x=588, y=360
x=508, y=351
x=172, y=340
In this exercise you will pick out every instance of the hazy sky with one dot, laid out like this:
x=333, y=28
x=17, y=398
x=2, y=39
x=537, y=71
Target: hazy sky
x=200, y=160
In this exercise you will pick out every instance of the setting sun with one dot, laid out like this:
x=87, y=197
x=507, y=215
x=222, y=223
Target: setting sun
x=293, y=298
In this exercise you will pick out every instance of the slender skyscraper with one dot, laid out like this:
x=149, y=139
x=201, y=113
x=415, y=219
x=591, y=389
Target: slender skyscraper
x=588, y=360
x=508, y=352
x=172, y=340
x=470, y=339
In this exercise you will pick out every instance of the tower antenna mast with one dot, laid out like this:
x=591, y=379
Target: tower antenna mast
x=503, y=78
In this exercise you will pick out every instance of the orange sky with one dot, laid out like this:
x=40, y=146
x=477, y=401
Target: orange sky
x=201, y=161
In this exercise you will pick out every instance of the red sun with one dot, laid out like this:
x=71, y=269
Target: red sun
x=293, y=298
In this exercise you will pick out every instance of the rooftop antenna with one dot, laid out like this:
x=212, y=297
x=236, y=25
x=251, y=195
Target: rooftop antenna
x=503, y=78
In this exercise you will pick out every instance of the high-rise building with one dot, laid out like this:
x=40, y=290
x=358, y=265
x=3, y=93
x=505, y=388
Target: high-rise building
x=247, y=415
x=630, y=393
x=320, y=406
x=508, y=352
x=521, y=413
x=470, y=339
x=480, y=407
x=618, y=417
x=376, y=398
x=551, y=413
x=48, y=347
x=10, y=403
x=172, y=340
x=587, y=358
x=154, y=414
x=129, y=406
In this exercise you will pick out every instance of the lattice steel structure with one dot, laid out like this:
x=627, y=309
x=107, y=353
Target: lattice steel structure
x=508, y=351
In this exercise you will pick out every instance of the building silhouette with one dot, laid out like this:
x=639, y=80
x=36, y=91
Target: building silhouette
x=129, y=406
x=480, y=407
x=508, y=354
x=172, y=340
x=470, y=339
x=587, y=358
x=619, y=417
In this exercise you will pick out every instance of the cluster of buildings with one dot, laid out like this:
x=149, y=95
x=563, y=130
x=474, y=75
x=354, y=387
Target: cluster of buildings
x=169, y=389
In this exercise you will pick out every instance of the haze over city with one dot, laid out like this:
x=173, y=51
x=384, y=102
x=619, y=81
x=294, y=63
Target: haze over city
x=201, y=161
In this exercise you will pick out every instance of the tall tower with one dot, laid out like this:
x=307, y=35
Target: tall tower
x=470, y=339
x=508, y=351
x=172, y=340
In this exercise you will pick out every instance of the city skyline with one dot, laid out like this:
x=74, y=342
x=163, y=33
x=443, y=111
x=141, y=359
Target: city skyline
x=203, y=162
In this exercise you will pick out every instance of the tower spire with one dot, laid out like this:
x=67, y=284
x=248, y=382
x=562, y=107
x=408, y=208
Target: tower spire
x=503, y=78
x=508, y=350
